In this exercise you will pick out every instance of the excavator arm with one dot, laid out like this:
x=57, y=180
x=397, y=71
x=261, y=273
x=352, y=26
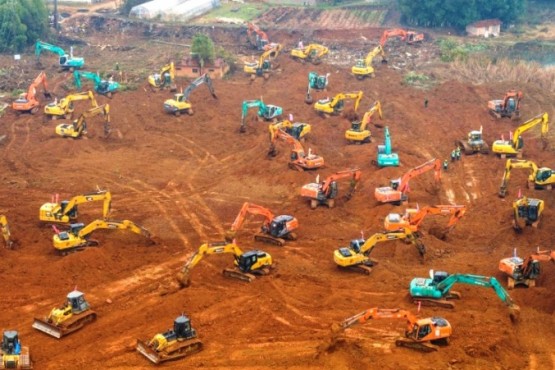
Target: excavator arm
x=66, y=61
x=28, y=102
x=261, y=38
x=414, y=217
x=66, y=211
x=434, y=164
x=541, y=119
x=336, y=104
x=79, y=126
x=204, y=79
x=354, y=174
x=516, y=163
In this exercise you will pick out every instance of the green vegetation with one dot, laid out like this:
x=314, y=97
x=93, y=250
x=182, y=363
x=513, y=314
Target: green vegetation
x=416, y=79
x=244, y=12
x=460, y=13
x=202, y=48
x=22, y=23
x=450, y=49
x=372, y=17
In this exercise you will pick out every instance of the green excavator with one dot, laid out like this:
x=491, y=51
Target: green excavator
x=103, y=87
x=267, y=112
x=67, y=61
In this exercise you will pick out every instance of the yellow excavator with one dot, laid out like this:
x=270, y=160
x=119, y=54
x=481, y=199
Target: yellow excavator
x=527, y=212
x=336, y=105
x=312, y=53
x=79, y=126
x=263, y=66
x=539, y=178
x=356, y=256
x=6, y=234
x=78, y=235
x=66, y=211
x=513, y=147
x=247, y=265
x=298, y=130
x=65, y=107
x=74, y=314
x=179, y=342
x=163, y=80
x=181, y=104
x=358, y=133
x=363, y=67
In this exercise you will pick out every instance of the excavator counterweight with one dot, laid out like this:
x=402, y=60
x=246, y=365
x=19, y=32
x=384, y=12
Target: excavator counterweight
x=524, y=271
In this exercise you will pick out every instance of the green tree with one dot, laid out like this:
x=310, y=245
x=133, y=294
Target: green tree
x=202, y=48
x=21, y=23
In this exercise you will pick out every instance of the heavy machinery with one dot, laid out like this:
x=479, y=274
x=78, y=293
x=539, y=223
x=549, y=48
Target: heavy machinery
x=181, y=104
x=539, y=178
x=421, y=334
x=386, y=157
x=66, y=211
x=359, y=133
x=325, y=192
x=263, y=66
x=28, y=102
x=163, y=80
x=410, y=37
x=14, y=355
x=315, y=82
x=103, y=87
x=267, y=112
x=336, y=105
x=79, y=236
x=436, y=291
x=247, y=265
x=363, y=67
x=514, y=146
x=6, y=234
x=311, y=53
x=509, y=106
x=79, y=126
x=524, y=272
x=66, y=61
x=298, y=160
x=474, y=143
x=356, y=256
x=298, y=130
x=526, y=212
x=397, y=191
x=179, y=342
x=260, y=40
x=414, y=217
x=275, y=229
x=65, y=108
x=74, y=314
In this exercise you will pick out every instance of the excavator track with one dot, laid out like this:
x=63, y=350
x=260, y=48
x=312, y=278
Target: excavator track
x=419, y=346
x=269, y=239
x=235, y=274
x=175, y=351
x=361, y=269
x=72, y=324
x=433, y=302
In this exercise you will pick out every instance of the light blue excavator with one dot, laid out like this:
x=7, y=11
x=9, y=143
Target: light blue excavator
x=67, y=61
x=386, y=158
x=103, y=87
x=266, y=111
x=315, y=82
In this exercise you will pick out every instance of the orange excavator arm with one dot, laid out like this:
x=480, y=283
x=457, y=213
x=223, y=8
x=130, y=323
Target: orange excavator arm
x=246, y=209
x=392, y=33
x=353, y=173
x=434, y=164
x=380, y=313
x=280, y=134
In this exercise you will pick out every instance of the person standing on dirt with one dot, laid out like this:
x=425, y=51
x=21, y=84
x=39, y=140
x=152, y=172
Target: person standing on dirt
x=458, y=153
x=300, y=45
x=453, y=155
x=445, y=164
x=425, y=102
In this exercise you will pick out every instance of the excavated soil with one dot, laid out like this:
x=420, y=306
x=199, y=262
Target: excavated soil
x=185, y=178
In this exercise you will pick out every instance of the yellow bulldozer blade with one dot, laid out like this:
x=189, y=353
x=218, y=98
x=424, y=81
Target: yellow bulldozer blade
x=47, y=328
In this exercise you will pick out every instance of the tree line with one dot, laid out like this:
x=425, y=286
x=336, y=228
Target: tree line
x=22, y=22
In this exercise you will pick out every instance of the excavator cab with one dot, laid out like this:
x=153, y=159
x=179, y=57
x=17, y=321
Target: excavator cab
x=247, y=260
x=77, y=302
x=10, y=343
x=544, y=174
x=475, y=138
x=439, y=276
x=278, y=226
x=426, y=327
x=356, y=244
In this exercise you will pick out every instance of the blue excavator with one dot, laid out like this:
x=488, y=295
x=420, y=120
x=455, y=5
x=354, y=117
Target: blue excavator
x=102, y=87
x=436, y=291
x=267, y=112
x=315, y=82
x=386, y=158
x=67, y=61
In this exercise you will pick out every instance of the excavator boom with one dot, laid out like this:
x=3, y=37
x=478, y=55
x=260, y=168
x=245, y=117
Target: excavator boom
x=514, y=147
x=263, y=66
x=313, y=53
x=79, y=126
x=66, y=61
x=103, y=87
x=337, y=104
x=413, y=218
x=180, y=104
x=539, y=178
x=266, y=111
x=164, y=79
x=298, y=159
x=358, y=133
x=66, y=211
x=64, y=108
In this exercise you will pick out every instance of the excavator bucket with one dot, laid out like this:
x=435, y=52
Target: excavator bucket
x=514, y=313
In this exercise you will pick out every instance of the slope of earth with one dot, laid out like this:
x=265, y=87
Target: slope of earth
x=185, y=178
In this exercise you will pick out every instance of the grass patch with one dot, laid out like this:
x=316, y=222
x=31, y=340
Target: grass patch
x=417, y=80
x=245, y=12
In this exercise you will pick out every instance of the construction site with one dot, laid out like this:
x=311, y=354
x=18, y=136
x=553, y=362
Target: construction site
x=228, y=222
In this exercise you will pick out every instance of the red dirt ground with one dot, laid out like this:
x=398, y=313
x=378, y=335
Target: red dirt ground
x=186, y=178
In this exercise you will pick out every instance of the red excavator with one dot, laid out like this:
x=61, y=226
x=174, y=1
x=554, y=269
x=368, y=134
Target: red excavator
x=410, y=37
x=28, y=102
x=299, y=160
x=508, y=107
x=413, y=217
x=324, y=193
x=257, y=38
x=274, y=230
x=524, y=272
x=396, y=193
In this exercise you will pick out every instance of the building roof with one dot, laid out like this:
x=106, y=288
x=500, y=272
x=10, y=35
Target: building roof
x=485, y=23
x=192, y=62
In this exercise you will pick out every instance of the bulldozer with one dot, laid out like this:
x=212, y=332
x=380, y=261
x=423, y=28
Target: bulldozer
x=14, y=355
x=275, y=229
x=539, y=178
x=421, y=334
x=299, y=160
x=181, y=104
x=325, y=193
x=312, y=53
x=436, y=290
x=356, y=256
x=65, y=107
x=526, y=212
x=79, y=236
x=173, y=344
x=509, y=106
x=78, y=127
x=513, y=147
x=337, y=104
x=247, y=265
x=28, y=102
x=73, y=315
x=163, y=80
x=524, y=272
x=358, y=133
x=474, y=143
x=66, y=211
x=268, y=112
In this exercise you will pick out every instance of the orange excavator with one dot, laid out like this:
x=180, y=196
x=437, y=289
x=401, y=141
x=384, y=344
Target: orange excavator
x=274, y=230
x=509, y=106
x=28, y=102
x=524, y=272
x=410, y=37
x=257, y=38
x=299, y=160
x=397, y=191
x=421, y=334
x=324, y=193
x=413, y=217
